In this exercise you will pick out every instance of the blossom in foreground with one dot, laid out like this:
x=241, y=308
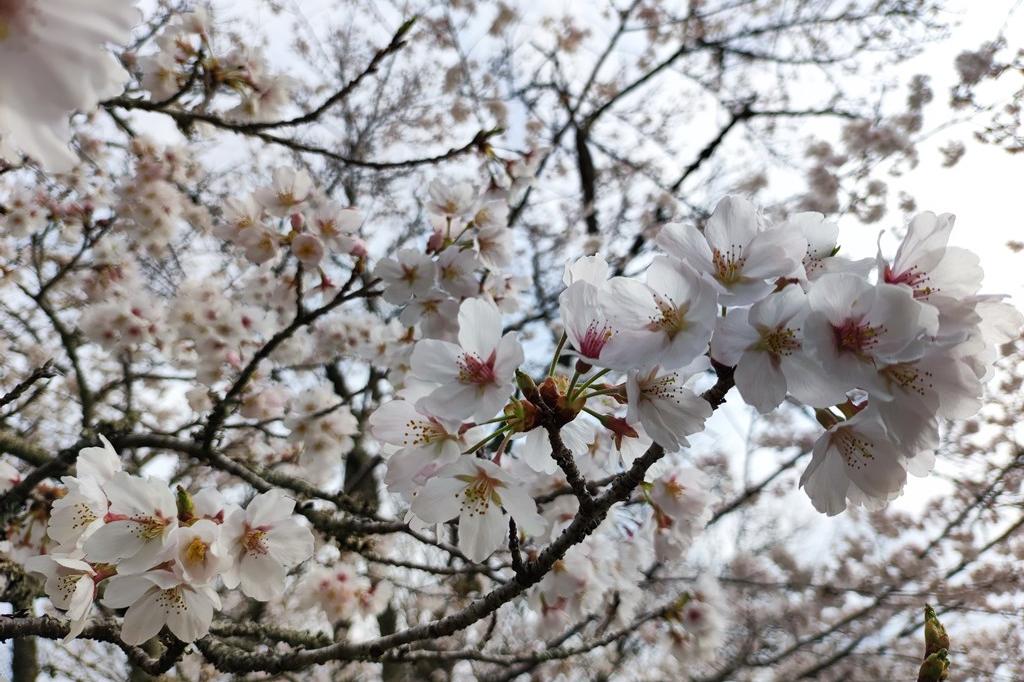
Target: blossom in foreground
x=426, y=443
x=930, y=267
x=157, y=598
x=476, y=491
x=82, y=510
x=264, y=540
x=667, y=321
x=69, y=585
x=55, y=62
x=587, y=327
x=765, y=344
x=937, y=385
x=473, y=378
x=142, y=515
x=822, y=248
x=854, y=326
x=734, y=252
x=668, y=410
x=856, y=461
x=197, y=549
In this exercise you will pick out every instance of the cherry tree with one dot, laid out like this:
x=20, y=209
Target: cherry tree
x=401, y=342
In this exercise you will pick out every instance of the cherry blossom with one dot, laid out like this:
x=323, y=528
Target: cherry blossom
x=263, y=541
x=455, y=272
x=735, y=252
x=69, y=585
x=161, y=598
x=137, y=526
x=928, y=266
x=288, y=192
x=822, y=248
x=668, y=410
x=451, y=200
x=9, y=476
x=765, y=343
x=62, y=43
x=198, y=552
x=473, y=378
x=308, y=249
x=853, y=327
x=427, y=443
x=409, y=275
x=667, y=321
x=342, y=593
x=336, y=225
x=857, y=462
x=436, y=313
x=479, y=493
x=536, y=447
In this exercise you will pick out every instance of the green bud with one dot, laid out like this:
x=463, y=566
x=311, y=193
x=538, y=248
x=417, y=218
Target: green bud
x=935, y=637
x=186, y=507
x=526, y=385
x=935, y=668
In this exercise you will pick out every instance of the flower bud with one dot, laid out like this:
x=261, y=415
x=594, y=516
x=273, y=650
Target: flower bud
x=525, y=383
x=522, y=415
x=935, y=636
x=435, y=244
x=619, y=427
x=935, y=668
x=186, y=507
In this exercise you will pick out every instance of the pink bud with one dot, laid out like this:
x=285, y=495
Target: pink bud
x=435, y=243
x=358, y=248
x=297, y=220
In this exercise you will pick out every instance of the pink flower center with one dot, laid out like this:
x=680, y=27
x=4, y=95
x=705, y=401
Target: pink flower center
x=594, y=339
x=472, y=370
x=853, y=336
x=913, y=278
x=254, y=541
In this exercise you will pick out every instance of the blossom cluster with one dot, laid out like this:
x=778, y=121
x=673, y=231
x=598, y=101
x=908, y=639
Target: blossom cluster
x=188, y=52
x=877, y=350
x=159, y=553
x=314, y=227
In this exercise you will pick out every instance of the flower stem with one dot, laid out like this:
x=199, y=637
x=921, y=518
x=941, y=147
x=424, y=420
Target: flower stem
x=572, y=382
x=558, y=354
x=588, y=382
x=603, y=391
x=487, y=439
x=502, y=418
